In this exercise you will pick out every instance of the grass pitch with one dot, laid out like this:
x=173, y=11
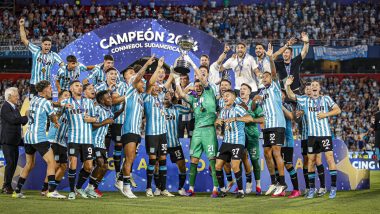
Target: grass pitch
x=365, y=201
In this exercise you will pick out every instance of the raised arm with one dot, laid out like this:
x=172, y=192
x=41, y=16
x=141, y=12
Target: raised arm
x=153, y=78
x=305, y=48
x=181, y=94
x=23, y=33
x=269, y=53
x=289, y=91
x=280, y=51
x=168, y=82
x=141, y=72
x=223, y=56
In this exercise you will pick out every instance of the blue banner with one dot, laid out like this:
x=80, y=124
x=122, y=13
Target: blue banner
x=338, y=54
x=349, y=178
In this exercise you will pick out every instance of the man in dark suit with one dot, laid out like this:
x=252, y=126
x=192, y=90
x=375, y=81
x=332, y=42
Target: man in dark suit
x=10, y=137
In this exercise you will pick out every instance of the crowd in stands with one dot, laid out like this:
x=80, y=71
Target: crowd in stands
x=357, y=98
x=327, y=23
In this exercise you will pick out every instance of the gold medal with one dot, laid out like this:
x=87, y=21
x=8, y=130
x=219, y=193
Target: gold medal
x=228, y=127
x=43, y=70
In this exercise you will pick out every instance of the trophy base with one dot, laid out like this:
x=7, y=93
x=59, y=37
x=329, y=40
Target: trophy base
x=182, y=70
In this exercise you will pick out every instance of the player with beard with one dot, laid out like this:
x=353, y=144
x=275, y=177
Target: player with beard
x=232, y=149
x=175, y=151
x=41, y=109
x=155, y=133
x=244, y=66
x=98, y=73
x=57, y=139
x=263, y=62
x=69, y=73
x=317, y=109
x=131, y=130
x=214, y=76
x=274, y=128
x=43, y=59
x=252, y=135
x=80, y=118
x=204, y=135
x=292, y=66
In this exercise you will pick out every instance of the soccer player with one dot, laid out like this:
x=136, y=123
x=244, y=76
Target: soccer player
x=118, y=98
x=69, y=73
x=274, y=128
x=252, y=135
x=89, y=91
x=175, y=151
x=98, y=74
x=304, y=136
x=232, y=149
x=155, y=133
x=287, y=149
x=131, y=130
x=41, y=109
x=110, y=83
x=186, y=121
x=204, y=135
x=57, y=139
x=105, y=117
x=214, y=76
x=80, y=118
x=42, y=57
x=317, y=108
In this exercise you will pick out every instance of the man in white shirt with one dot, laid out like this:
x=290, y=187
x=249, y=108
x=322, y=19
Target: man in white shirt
x=244, y=66
x=214, y=76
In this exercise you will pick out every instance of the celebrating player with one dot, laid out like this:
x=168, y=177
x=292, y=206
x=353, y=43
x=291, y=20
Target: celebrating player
x=41, y=109
x=42, y=57
x=317, y=108
x=98, y=74
x=131, y=130
x=204, y=135
x=80, y=118
x=232, y=148
x=274, y=129
x=69, y=73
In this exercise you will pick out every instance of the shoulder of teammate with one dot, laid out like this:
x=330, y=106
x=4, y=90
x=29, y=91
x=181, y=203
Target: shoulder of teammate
x=329, y=100
x=57, y=58
x=182, y=109
x=301, y=99
x=48, y=107
x=240, y=111
x=33, y=48
x=82, y=67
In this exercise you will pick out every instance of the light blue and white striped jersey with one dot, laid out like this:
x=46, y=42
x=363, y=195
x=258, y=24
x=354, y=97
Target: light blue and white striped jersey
x=39, y=111
x=97, y=75
x=133, y=111
x=121, y=89
x=221, y=103
x=272, y=106
x=52, y=130
x=289, y=141
x=99, y=134
x=79, y=131
x=61, y=136
x=171, y=120
x=65, y=77
x=304, y=130
x=42, y=63
x=234, y=131
x=311, y=107
x=154, y=114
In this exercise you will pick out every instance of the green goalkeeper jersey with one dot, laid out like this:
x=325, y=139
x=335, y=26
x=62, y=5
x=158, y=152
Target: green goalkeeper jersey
x=251, y=128
x=204, y=108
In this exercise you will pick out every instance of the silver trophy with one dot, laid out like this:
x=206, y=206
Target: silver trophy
x=186, y=44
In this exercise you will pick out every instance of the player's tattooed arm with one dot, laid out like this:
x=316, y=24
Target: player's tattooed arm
x=107, y=121
x=141, y=72
x=334, y=111
x=269, y=53
x=289, y=92
x=24, y=39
